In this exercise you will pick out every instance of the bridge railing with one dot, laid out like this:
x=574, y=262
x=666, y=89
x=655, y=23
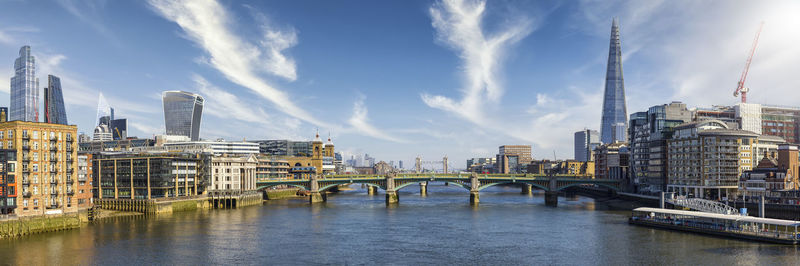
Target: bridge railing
x=703, y=205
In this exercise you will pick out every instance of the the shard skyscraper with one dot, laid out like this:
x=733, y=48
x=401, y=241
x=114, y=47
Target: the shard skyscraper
x=614, y=121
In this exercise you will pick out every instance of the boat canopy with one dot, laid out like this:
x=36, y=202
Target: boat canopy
x=731, y=217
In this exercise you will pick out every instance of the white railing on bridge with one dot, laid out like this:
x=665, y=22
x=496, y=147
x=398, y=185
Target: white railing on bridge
x=702, y=205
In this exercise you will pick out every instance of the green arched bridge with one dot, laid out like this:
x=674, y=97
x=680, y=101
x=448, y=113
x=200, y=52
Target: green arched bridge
x=391, y=183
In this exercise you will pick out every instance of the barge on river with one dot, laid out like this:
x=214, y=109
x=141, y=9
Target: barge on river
x=725, y=225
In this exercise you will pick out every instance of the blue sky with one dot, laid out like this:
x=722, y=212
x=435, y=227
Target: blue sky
x=397, y=79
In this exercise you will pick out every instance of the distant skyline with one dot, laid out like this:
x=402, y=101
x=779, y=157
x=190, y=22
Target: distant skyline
x=398, y=79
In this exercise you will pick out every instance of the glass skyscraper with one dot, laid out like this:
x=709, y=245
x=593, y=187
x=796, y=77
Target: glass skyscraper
x=24, y=103
x=182, y=113
x=615, y=117
x=54, y=112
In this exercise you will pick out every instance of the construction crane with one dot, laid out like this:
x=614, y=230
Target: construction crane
x=740, y=86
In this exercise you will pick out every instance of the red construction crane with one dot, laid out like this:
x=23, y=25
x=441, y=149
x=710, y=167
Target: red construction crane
x=740, y=86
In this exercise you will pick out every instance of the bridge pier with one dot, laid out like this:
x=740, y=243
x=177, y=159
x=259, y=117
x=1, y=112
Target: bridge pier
x=527, y=189
x=551, y=198
x=315, y=196
x=391, y=197
x=474, y=198
x=371, y=190
x=391, y=193
x=474, y=189
x=423, y=188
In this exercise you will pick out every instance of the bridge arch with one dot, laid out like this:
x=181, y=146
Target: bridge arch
x=262, y=188
x=512, y=182
x=598, y=184
x=325, y=188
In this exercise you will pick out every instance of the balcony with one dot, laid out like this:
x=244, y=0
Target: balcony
x=26, y=194
x=53, y=138
x=53, y=181
x=26, y=182
x=26, y=147
x=54, y=192
x=53, y=159
x=26, y=136
x=53, y=148
x=26, y=158
x=70, y=170
x=69, y=148
x=54, y=206
x=70, y=192
x=69, y=138
x=70, y=181
x=26, y=170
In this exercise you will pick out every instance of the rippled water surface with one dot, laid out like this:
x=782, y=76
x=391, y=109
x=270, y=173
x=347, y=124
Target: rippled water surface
x=355, y=228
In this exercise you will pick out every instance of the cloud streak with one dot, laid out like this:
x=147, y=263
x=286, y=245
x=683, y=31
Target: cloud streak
x=459, y=26
x=360, y=123
x=223, y=104
x=207, y=24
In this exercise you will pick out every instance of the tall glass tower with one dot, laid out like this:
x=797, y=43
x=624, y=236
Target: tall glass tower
x=614, y=118
x=182, y=113
x=24, y=88
x=54, y=102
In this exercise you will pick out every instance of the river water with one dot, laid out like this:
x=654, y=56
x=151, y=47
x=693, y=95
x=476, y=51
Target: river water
x=354, y=228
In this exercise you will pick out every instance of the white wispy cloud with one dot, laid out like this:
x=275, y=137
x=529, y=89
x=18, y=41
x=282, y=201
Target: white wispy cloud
x=8, y=34
x=208, y=24
x=459, y=25
x=360, y=123
x=223, y=104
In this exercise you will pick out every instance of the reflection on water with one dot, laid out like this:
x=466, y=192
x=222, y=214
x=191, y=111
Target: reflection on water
x=356, y=228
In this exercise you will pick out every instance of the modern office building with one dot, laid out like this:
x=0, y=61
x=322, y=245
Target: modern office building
x=480, y=164
x=585, y=142
x=233, y=173
x=46, y=162
x=145, y=176
x=118, y=128
x=648, y=135
x=270, y=167
x=706, y=158
x=511, y=159
x=102, y=133
x=614, y=109
x=749, y=116
x=24, y=92
x=8, y=181
x=182, y=113
x=215, y=147
x=54, y=111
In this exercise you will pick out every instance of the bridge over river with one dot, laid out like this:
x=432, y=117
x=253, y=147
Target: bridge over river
x=317, y=185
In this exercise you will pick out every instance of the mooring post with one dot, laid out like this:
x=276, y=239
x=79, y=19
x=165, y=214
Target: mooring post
x=423, y=188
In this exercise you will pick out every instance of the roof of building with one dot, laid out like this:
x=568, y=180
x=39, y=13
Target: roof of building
x=700, y=123
x=770, y=138
x=767, y=162
x=731, y=217
x=728, y=132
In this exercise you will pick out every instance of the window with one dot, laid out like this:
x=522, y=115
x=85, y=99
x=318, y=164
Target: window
x=25, y=203
x=36, y=202
x=10, y=134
